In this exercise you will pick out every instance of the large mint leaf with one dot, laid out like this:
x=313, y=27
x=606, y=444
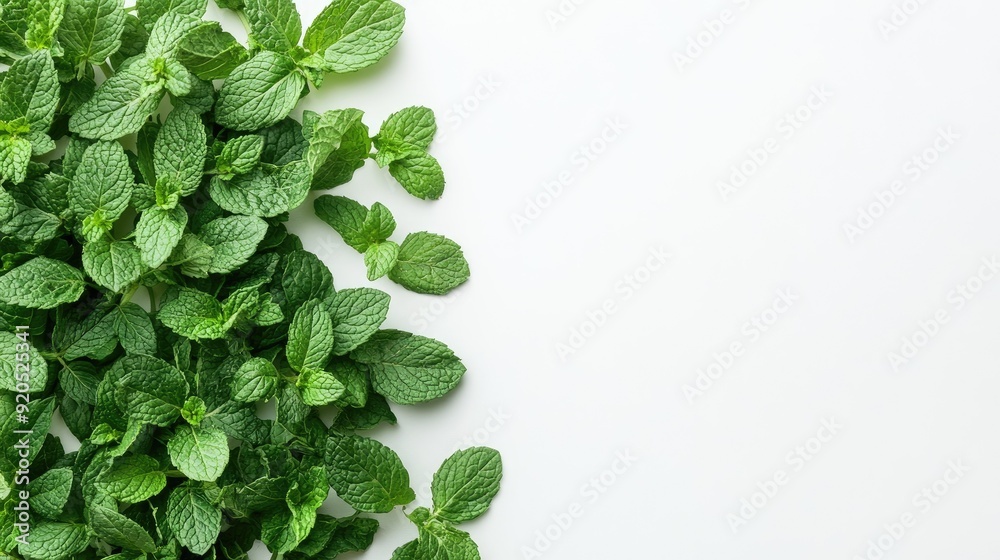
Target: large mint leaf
x=366, y=474
x=192, y=518
x=210, y=52
x=201, y=452
x=29, y=92
x=275, y=25
x=310, y=337
x=267, y=191
x=56, y=541
x=351, y=34
x=101, y=188
x=133, y=479
x=357, y=314
x=233, y=239
x=407, y=368
x=116, y=529
x=193, y=314
x=180, y=151
x=152, y=391
x=91, y=31
x=41, y=283
x=120, y=106
x=158, y=232
x=466, y=484
x=114, y=265
x=260, y=92
x=430, y=264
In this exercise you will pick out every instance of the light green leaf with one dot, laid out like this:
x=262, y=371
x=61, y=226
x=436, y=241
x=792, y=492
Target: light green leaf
x=133, y=479
x=319, y=387
x=366, y=474
x=256, y=380
x=192, y=518
x=346, y=217
x=357, y=314
x=118, y=530
x=430, y=264
x=114, y=265
x=15, y=153
x=91, y=30
x=102, y=187
x=29, y=92
x=120, y=106
x=195, y=315
x=260, y=92
x=46, y=15
x=310, y=337
x=420, y=175
x=380, y=258
x=466, y=484
x=405, y=133
x=353, y=34
x=134, y=329
x=158, y=232
x=240, y=155
x=275, y=25
x=151, y=11
x=210, y=52
x=50, y=491
x=325, y=132
x=304, y=278
x=234, y=240
x=267, y=191
x=152, y=391
x=41, y=283
x=180, y=150
x=441, y=541
x=407, y=368
x=199, y=452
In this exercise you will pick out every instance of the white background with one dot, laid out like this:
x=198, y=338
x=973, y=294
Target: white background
x=565, y=419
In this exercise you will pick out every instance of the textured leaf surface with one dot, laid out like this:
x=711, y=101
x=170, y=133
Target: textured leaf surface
x=466, y=484
x=430, y=264
x=353, y=34
x=409, y=369
x=41, y=283
x=260, y=92
x=357, y=314
x=133, y=479
x=366, y=474
x=193, y=519
x=201, y=453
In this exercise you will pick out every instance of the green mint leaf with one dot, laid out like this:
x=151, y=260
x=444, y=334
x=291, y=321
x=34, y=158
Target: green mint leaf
x=91, y=31
x=192, y=518
x=120, y=106
x=56, y=541
x=193, y=255
x=420, y=175
x=180, y=150
x=15, y=153
x=114, y=265
x=260, y=92
x=118, y=530
x=41, y=283
x=407, y=368
x=380, y=258
x=406, y=552
x=310, y=337
x=443, y=541
x=357, y=314
x=39, y=422
x=158, y=232
x=210, y=52
x=346, y=217
x=50, y=491
x=366, y=474
x=240, y=155
x=133, y=479
x=375, y=412
x=14, y=26
x=194, y=410
x=134, y=329
x=430, y=264
x=42, y=26
x=353, y=34
x=305, y=278
x=195, y=315
x=256, y=380
x=201, y=452
x=152, y=391
x=405, y=133
x=29, y=92
x=304, y=497
x=325, y=133
x=267, y=191
x=319, y=387
x=275, y=25
x=466, y=484
x=102, y=186
x=79, y=380
x=79, y=334
x=233, y=239
x=151, y=11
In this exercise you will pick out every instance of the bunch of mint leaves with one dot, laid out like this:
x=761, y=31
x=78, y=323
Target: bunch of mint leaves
x=153, y=298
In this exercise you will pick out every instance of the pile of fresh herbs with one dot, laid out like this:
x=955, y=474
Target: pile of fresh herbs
x=151, y=295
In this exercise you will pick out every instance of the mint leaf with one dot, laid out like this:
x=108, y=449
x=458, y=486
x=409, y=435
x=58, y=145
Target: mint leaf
x=50, y=491
x=350, y=35
x=192, y=518
x=133, y=479
x=180, y=151
x=101, y=188
x=430, y=264
x=357, y=314
x=152, y=391
x=366, y=474
x=346, y=217
x=407, y=368
x=55, y=541
x=41, y=283
x=274, y=24
x=201, y=452
x=114, y=265
x=233, y=239
x=405, y=133
x=134, y=329
x=304, y=278
x=118, y=530
x=91, y=31
x=380, y=258
x=267, y=191
x=260, y=92
x=195, y=315
x=15, y=153
x=310, y=337
x=151, y=11
x=210, y=52
x=42, y=26
x=29, y=92
x=466, y=484
x=256, y=380
x=319, y=387
x=442, y=541
x=420, y=175
x=325, y=133
x=240, y=155
x=120, y=106
x=158, y=232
